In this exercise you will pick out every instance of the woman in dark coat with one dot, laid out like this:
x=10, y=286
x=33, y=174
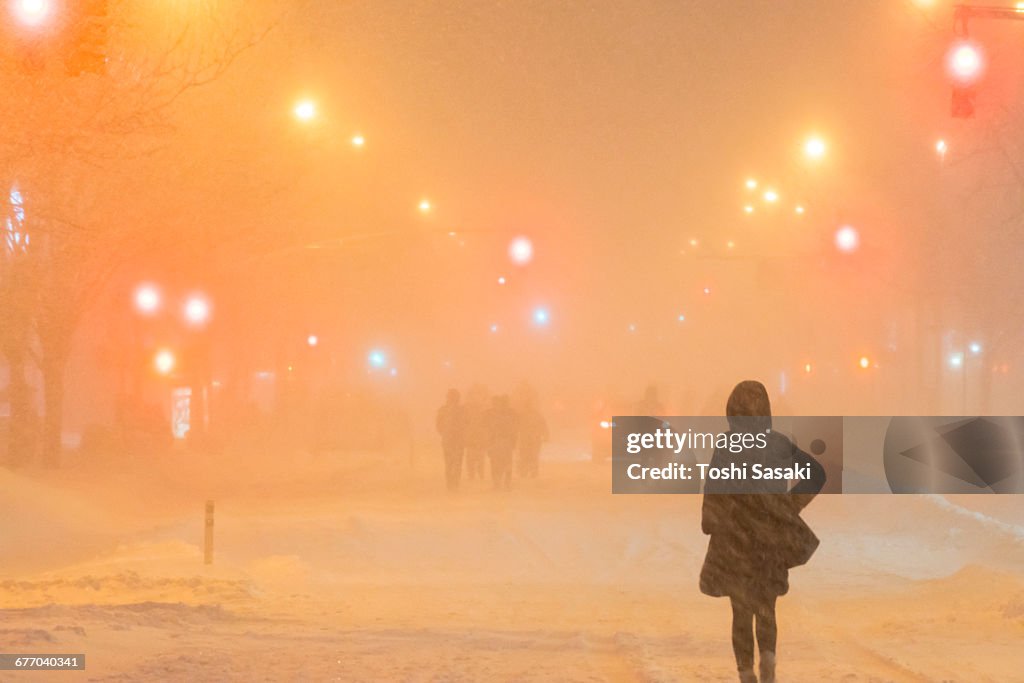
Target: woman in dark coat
x=756, y=531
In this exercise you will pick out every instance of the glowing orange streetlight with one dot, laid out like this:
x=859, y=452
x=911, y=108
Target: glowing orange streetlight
x=425, y=206
x=358, y=140
x=864, y=362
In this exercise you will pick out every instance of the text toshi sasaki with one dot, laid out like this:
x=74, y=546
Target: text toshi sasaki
x=731, y=471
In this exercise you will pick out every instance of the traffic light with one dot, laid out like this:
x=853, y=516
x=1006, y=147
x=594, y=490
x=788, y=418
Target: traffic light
x=87, y=38
x=965, y=64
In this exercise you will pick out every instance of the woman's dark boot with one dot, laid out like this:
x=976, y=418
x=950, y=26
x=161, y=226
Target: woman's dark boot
x=767, y=667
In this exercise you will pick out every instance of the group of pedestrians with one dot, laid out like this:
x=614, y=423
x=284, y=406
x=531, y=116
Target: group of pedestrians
x=481, y=429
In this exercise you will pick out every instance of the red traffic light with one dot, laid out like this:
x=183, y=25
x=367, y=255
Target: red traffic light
x=965, y=62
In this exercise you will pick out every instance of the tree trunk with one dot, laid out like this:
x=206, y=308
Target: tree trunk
x=21, y=424
x=53, y=420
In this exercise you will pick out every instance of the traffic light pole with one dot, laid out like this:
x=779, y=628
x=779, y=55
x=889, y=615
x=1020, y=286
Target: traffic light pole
x=964, y=13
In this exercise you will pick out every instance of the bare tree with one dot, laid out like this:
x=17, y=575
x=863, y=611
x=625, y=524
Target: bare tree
x=72, y=139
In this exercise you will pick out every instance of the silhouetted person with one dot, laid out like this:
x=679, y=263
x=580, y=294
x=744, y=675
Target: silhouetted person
x=650, y=404
x=533, y=432
x=477, y=434
x=503, y=432
x=451, y=425
x=757, y=535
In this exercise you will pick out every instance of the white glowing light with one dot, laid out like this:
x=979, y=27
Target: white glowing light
x=358, y=140
x=147, y=299
x=807, y=367
x=815, y=148
x=681, y=318
x=541, y=316
x=494, y=327
x=800, y=210
x=312, y=340
x=305, y=110
x=32, y=12
x=956, y=360
x=425, y=206
x=847, y=239
x=965, y=62
x=520, y=250
x=771, y=196
x=864, y=362
x=164, y=361
x=941, y=147
x=197, y=310
x=377, y=358
x=975, y=348
x=748, y=209
x=707, y=290
x=751, y=184
x=501, y=279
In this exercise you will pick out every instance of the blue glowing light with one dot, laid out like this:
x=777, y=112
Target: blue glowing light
x=377, y=359
x=541, y=316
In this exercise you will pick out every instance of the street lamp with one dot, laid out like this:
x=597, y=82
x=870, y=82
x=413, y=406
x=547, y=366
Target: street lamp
x=847, y=239
x=197, y=310
x=164, y=361
x=147, y=299
x=358, y=140
x=305, y=110
x=312, y=340
x=520, y=250
x=32, y=12
x=815, y=148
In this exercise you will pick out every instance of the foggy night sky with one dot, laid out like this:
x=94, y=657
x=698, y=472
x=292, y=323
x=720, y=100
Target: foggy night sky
x=611, y=134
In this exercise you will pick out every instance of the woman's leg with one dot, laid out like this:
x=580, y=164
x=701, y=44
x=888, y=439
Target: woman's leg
x=767, y=635
x=767, y=629
x=742, y=635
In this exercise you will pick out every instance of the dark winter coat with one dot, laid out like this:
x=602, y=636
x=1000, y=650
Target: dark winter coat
x=503, y=429
x=757, y=535
x=451, y=425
